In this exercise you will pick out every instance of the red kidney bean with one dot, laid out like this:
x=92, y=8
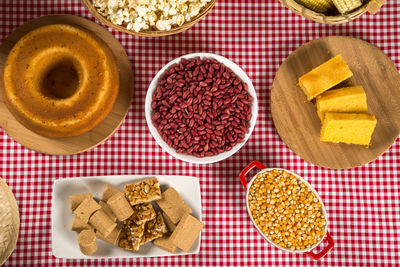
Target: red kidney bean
x=201, y=108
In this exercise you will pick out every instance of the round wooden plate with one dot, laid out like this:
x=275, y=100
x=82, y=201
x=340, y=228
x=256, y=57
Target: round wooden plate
x=86, y=141
x=9, y=218
x=297, y=122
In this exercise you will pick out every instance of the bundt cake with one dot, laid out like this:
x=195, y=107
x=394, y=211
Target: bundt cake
x=60, y=81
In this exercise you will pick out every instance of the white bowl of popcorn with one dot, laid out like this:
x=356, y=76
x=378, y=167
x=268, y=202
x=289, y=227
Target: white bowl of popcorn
x=150, y=18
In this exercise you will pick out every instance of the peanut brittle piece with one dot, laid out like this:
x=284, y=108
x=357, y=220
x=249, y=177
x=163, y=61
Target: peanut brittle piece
x=131, y=235
x=143, y=191
x=154, y=229
x=143, y=213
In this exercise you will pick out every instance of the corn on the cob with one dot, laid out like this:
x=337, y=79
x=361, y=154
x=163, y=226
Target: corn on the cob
x=345, y=6
x=319, y=6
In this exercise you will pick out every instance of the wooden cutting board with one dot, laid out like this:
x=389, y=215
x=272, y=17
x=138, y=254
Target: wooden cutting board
x=297, y=122
x=86, y=141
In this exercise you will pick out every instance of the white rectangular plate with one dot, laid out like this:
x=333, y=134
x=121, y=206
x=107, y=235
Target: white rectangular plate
x=65, y=241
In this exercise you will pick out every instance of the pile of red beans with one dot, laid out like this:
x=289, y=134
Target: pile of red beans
x=201, y=108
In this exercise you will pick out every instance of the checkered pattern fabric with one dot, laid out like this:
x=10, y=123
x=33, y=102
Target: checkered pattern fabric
x=363, y=204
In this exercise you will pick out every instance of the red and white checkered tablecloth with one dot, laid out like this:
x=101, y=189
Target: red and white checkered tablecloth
x=363, y=204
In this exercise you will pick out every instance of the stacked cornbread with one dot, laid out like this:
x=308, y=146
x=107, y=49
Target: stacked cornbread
x=343, y=112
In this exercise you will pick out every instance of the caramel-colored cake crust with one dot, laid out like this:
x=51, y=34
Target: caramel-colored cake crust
x=60, y=81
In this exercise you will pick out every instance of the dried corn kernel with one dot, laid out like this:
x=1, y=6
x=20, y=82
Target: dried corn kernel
x=286, y=210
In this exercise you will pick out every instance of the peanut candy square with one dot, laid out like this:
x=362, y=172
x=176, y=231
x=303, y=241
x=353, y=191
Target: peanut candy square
x=165, y=244
x=143, y=213
x=173, y=205
x=112, y=238
x=131, y=235
x=86, y=209
x=154, y=229
x=78, y=225
x=76, y=200
x=143, y=191
x=170, y=225
x=186, y=233
x=107, y=210
x=108, y=192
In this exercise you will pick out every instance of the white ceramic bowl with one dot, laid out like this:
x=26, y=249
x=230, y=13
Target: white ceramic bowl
x=192, y=159
x=247, y=185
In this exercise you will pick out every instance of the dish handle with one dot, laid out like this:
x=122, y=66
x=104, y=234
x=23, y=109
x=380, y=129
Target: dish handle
x=325, y=251
x=251, y=166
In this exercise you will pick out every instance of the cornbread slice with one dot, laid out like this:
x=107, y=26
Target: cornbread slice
x=344, y=100
x=143, y=191
x=349, y=128
x=324, y=77
x=154, y=229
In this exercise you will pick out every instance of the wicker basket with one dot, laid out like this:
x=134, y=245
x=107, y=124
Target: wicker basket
x=371, y=6
x=9, y=221
x=150, y=33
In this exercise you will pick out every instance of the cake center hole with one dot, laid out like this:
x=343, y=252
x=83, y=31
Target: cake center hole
x=61, y=81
